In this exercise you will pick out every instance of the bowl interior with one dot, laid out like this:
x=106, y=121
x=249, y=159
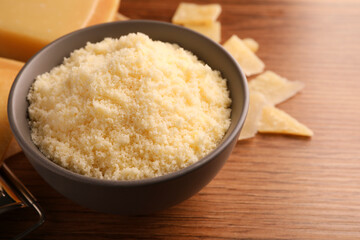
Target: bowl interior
x=53, y=54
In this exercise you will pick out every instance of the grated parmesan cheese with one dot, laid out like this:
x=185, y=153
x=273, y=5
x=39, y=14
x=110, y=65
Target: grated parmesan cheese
x=128, y=108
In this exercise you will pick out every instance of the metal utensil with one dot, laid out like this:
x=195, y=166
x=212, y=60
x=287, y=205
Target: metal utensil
x=14, y=195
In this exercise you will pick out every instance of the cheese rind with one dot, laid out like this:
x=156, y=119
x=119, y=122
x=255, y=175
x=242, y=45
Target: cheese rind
x=248, y=61
x=104, y=11
x=250, y=128
x=275, y=88
x=23, y=30
x=190, y=13
x=212, y=30
x=274, y=120
x=8, y=71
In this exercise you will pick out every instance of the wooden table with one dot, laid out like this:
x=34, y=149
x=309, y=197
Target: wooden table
x=272, y=187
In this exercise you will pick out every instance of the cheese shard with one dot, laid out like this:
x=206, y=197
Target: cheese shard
x=190, y=13
x=212, y=30
x=250, y=128
x=276, y=89
x=274, y=120
x=28, y=25
x=251, y=44
x=248, y=61
x=8, y=71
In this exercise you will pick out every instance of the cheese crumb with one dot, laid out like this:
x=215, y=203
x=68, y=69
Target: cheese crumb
x=128, y=108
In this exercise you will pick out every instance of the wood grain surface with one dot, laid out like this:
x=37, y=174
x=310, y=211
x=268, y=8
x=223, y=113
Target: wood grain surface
x=272, y=186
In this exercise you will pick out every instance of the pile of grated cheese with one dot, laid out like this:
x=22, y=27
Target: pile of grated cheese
x=128, y=108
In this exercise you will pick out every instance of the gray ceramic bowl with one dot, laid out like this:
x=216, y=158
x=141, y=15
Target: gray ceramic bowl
x=140, y=196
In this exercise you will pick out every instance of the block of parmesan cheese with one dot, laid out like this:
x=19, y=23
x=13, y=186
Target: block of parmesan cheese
x=191, y=13
x=250, y=128
x=246, y=58
x=28, y=25
x=276, y=89
x=8, y=71
x=212, y=30
x=274, y=120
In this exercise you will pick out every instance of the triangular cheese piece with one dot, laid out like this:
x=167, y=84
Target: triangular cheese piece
x=256, y=104
x=251, y=44
x=276, y=89
x=191, y=13
x=212, y=30
x=247, y=60
x=274, y=120
x=8, y=71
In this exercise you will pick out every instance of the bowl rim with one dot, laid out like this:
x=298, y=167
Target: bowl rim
x=59, y=170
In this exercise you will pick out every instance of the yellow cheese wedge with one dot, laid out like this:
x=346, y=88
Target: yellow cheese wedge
x=251, y=44
x=248, y=61
x=276, y=89
x=8, y=71
x=28, y=25
x=250, y=128
x=190, y=13
x=212, y=30
x=274, y=120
